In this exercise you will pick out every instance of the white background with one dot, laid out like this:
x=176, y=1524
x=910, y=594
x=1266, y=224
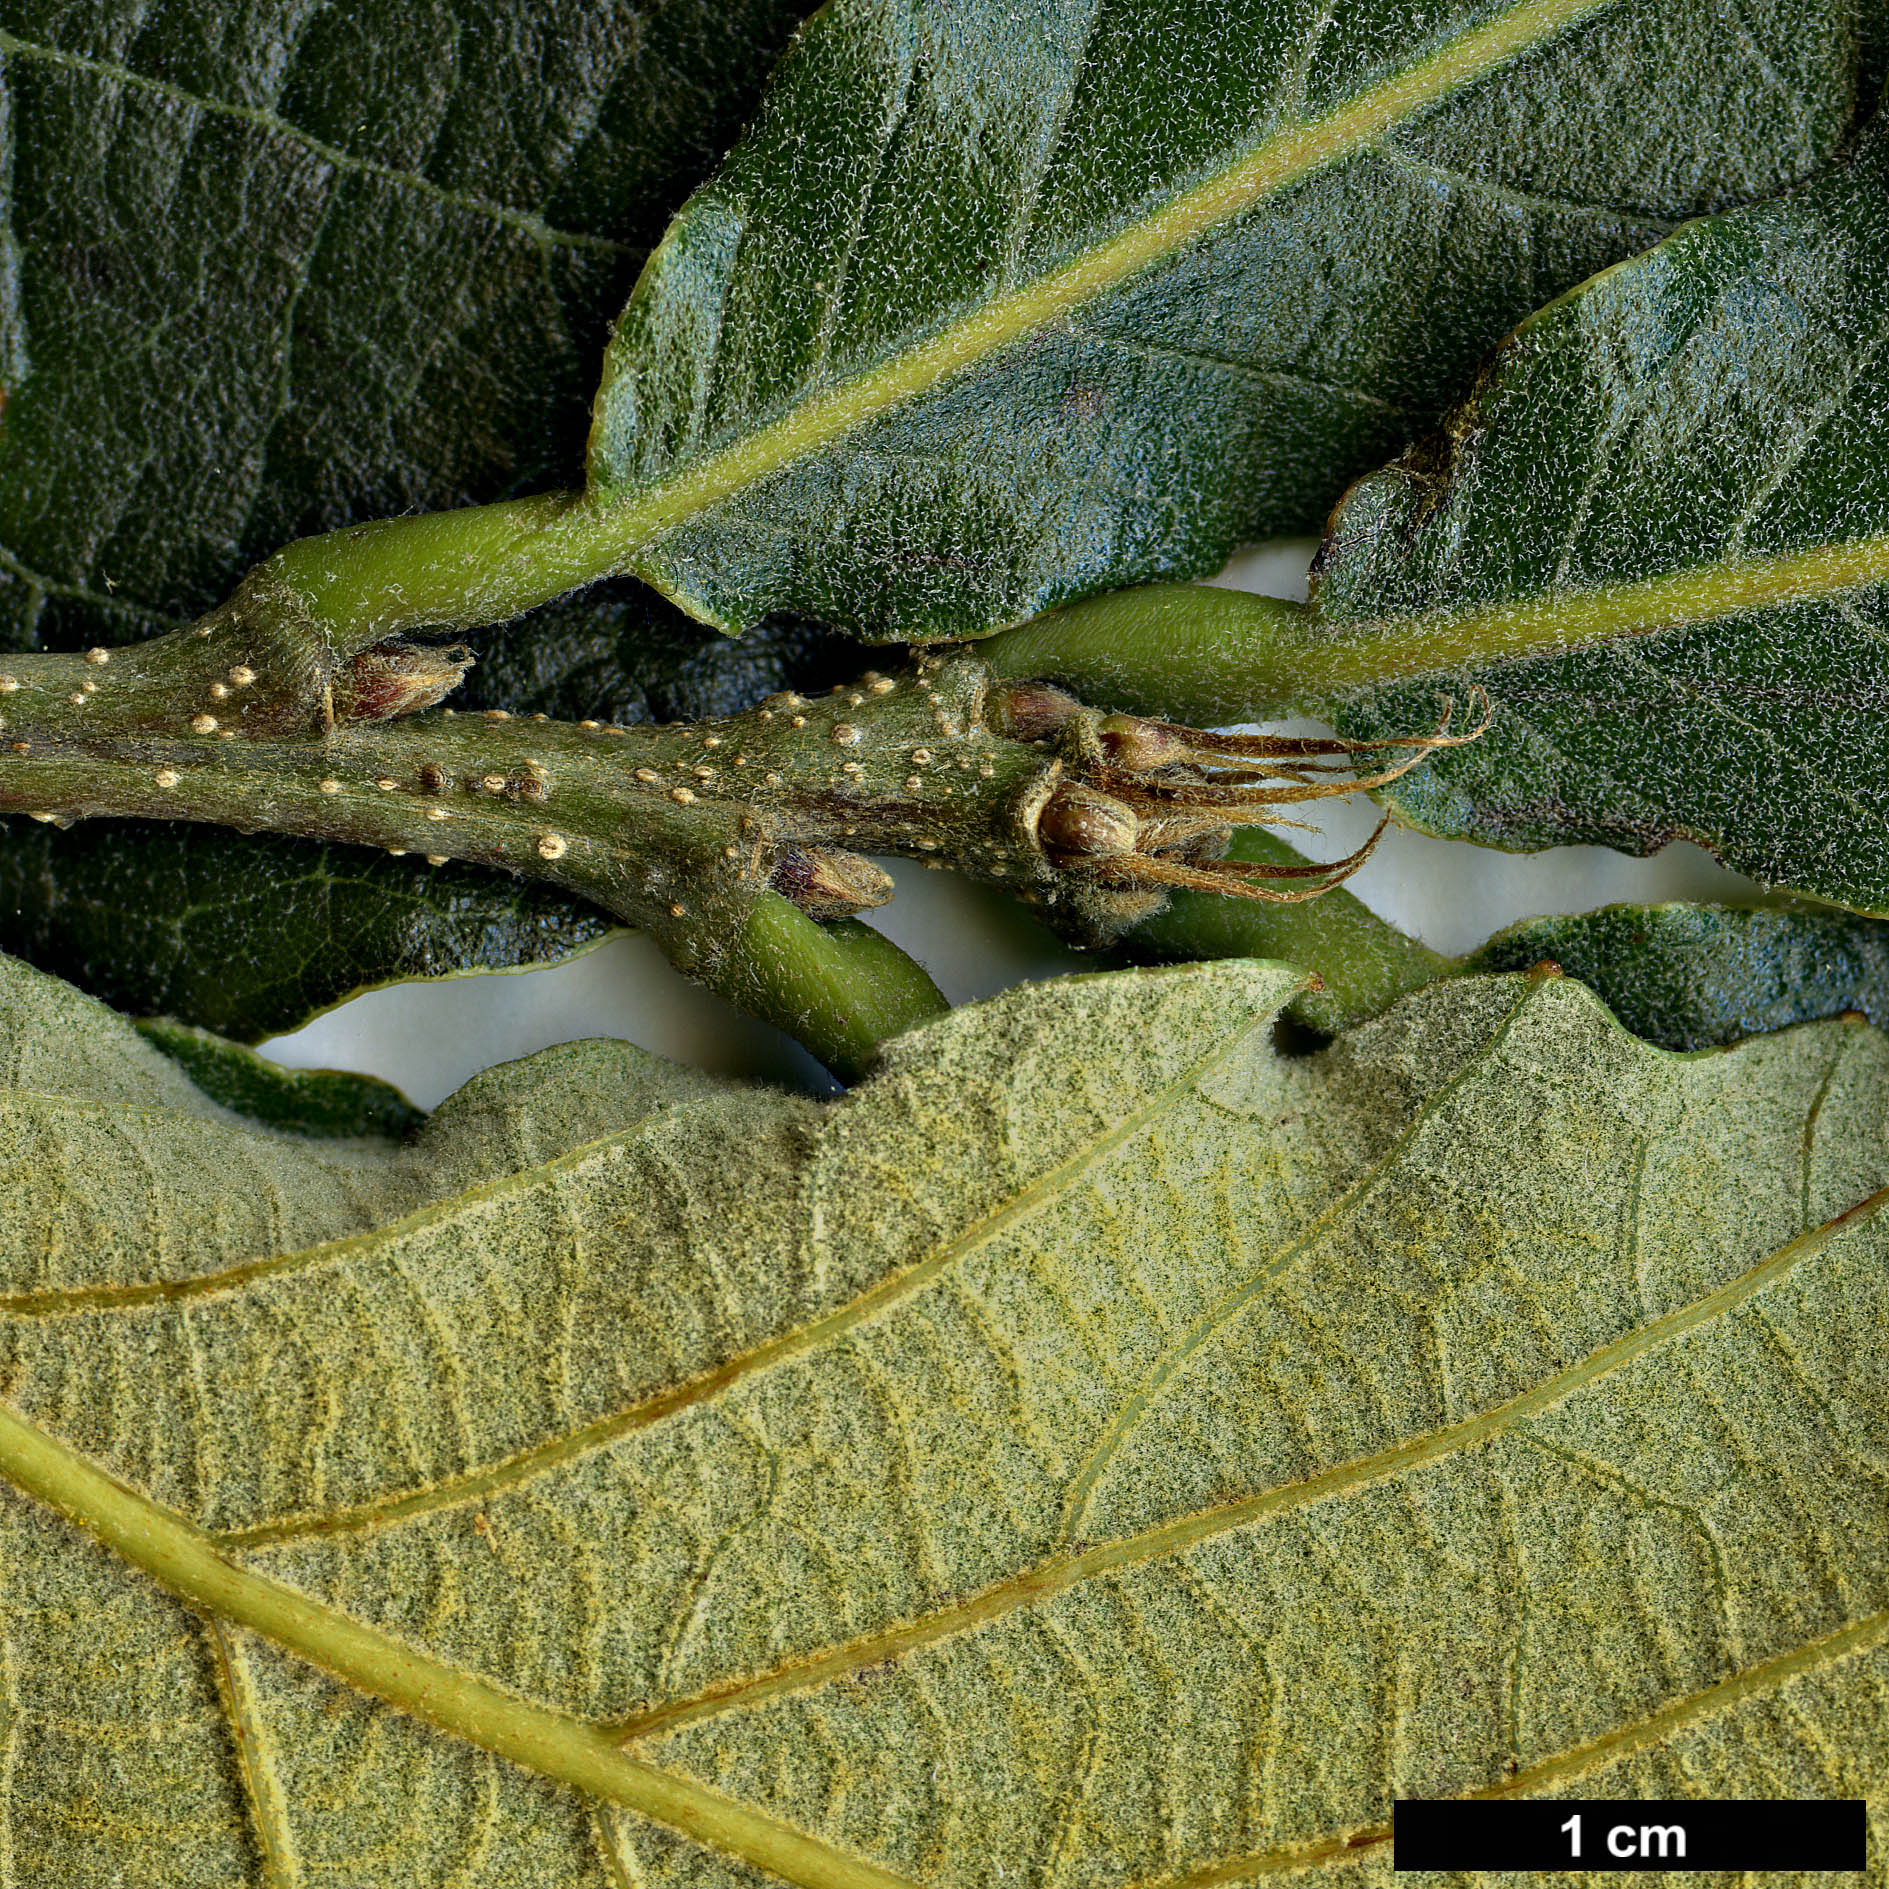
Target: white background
x=427, y=1038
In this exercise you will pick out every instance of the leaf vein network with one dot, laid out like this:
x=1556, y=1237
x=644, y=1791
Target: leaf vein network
x=524, y=221
x=841, y=1321
x=1048, y=1578
x=1174, y=1360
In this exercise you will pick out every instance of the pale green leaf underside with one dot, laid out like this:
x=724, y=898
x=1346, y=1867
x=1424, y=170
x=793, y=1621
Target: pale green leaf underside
x=997, y=306
x=1099, y=1446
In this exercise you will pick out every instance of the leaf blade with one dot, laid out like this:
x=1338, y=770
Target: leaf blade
x=181, y=1559
x=254, y=936
x=694, y=410
x=1738, y=529
x=1606, y=1247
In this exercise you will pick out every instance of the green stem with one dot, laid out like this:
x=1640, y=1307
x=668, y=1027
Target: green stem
x=842, y=989
x=1185, y=651
x=1686, y=977
x=448, y=570
x=291, y=710
x=725, y=841
x=258, y=719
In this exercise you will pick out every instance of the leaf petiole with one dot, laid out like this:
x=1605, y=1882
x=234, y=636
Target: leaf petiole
x=1197, y=653
x=841, y=989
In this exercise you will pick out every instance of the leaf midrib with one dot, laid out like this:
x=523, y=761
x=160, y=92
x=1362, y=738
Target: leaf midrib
x=179, y=1557
x=1545, y=623
x=626, y=524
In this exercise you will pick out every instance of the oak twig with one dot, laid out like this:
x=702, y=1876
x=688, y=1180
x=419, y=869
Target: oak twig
x=739, y=844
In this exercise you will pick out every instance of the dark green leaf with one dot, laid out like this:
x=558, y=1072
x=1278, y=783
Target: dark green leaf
x=996, y=306
x=264, y=273
x=619, y=652
x=254, y=936
x=271, y=269
x=323, y=1104
x=1698, y=976
x=1683, y=468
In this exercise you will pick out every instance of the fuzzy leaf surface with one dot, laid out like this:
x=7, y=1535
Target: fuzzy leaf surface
x=266, y=271
x=996, y=306
x=1100, y=1444
x=1684, y=468
x=323, y=1104
x=275, y=268
x=1695, y=976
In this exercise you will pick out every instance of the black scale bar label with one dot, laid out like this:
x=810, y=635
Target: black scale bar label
x=1622, y=1833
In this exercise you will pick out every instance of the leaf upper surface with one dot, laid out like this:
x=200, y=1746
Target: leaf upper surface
x=267, y=271
x=1099, y=1444
x=252, y=936
x=1687, y=459
x=272, y=270
x=995, y=307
